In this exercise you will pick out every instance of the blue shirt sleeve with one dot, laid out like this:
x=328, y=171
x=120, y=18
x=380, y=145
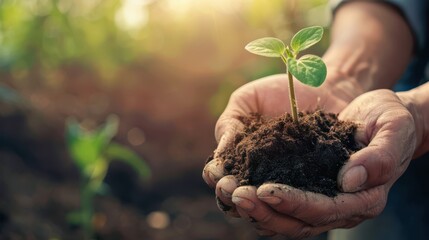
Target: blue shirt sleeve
x=415, y=12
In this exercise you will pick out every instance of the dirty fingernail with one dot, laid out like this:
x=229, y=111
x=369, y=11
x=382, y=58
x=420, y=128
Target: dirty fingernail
x=271, y=200
x=214, y=170
x=243, y=203
x=212, y=177
x=227, y=185
x=354, y=179
x=225, y=193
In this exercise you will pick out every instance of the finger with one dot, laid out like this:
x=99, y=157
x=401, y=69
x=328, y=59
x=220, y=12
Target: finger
x=320, y=210
x=250, y=207
x=213, y=172
x=230, y=211
x=385, y=158
x=226, y=129
x=242, y=102
x=224, y=189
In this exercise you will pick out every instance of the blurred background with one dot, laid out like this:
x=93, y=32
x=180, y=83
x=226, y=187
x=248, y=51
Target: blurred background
x=166, y=68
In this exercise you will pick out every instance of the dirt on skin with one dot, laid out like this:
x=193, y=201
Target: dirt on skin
x=307, y=156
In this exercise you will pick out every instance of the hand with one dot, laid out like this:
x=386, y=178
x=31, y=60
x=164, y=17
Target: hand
x=268, y=96
x=388, y=130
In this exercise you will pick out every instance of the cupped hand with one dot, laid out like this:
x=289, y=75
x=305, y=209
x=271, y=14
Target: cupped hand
x=270, y=97
x=387, y=129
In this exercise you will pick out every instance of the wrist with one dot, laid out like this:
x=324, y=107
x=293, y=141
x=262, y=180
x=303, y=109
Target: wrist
x=380, y=39
x=417, y=104
x=338, y=90
x=342, y=85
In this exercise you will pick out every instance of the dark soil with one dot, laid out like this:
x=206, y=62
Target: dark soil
x=307, y=156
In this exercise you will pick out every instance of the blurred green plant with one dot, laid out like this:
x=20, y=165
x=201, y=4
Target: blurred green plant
x=92, y=151
x=105, y=35
x=48, y=34
x=309, y=69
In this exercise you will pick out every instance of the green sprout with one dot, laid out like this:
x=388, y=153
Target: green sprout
x=92, y=152
x=309, y=69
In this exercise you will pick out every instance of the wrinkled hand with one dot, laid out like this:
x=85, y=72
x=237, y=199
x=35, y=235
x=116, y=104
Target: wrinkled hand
x=388, y=130
x=386, y=127
x=268, y=96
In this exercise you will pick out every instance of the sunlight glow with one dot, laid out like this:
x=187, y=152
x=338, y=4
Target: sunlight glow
x=180, y=7
x=132, y=15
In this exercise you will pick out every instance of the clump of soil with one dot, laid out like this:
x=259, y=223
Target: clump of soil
x=307, y=156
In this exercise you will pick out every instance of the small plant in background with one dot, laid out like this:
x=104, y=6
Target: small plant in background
x=92, y=151
x=309, y=69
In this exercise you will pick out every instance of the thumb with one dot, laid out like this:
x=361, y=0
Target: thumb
x=385, y=158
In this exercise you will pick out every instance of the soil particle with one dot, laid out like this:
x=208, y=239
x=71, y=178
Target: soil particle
x=307, y=156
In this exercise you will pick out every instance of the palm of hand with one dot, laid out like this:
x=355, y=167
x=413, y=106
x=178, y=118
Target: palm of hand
x=270, y=97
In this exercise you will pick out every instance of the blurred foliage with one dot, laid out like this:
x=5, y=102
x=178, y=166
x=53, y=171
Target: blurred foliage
x=100, y=56
x=92, y=151
x=166, y=67
x=104, y=35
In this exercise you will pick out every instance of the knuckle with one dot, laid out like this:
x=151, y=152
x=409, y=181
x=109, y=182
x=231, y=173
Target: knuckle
x=386, y=166
x=376, y=210
x=265, y=218
x=406, y=116
x=298, y=205
x=375, y=203
x=326, y=220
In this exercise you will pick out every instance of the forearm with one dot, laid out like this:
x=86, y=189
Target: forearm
x=371, y=45
x=417, y=102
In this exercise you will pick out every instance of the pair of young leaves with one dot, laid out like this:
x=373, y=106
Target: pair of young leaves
x=309, y=69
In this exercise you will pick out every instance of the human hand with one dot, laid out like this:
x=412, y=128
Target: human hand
x=267, y=96
x=388, y=130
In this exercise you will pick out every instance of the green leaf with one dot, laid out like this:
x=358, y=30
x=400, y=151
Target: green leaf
x=97, y=172
x=118, y=152
x=81, y=145
x=104, y=134
x=306, y=38
x=86, y=147
x=309, y=69
x=268, y=47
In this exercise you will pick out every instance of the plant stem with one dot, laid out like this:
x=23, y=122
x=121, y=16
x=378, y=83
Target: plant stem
x=292, y=98
x=87, y=197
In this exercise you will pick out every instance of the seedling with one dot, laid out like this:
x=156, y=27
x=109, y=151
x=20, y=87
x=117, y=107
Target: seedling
x=309, y=69
x=92, y=152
